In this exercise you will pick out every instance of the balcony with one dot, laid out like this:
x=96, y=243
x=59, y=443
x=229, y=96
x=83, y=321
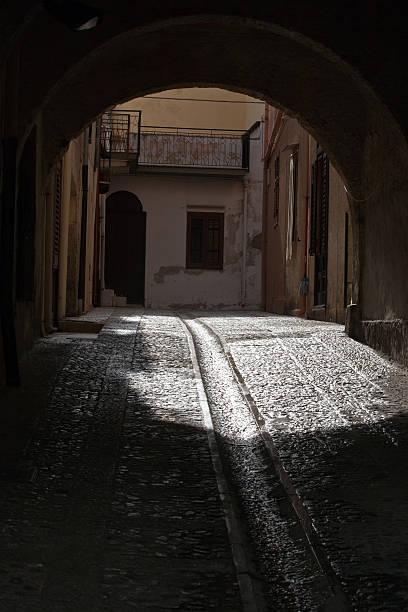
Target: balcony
x=191, y=147
x=127, y=146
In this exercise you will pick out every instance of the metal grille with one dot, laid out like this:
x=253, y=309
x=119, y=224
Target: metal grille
x=212, y=149
x=119, y=139
x=115, y=133
x=57, y=215
x=124, y=145
x=321, y=197
x=324, y=205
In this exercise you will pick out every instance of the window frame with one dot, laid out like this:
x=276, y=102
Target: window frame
x=206, y=216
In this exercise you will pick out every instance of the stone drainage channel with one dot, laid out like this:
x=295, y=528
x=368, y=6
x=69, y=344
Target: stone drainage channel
x=280, y=562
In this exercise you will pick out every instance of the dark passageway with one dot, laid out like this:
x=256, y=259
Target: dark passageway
x=125, y=246
x=120, y=491
x=323, y=66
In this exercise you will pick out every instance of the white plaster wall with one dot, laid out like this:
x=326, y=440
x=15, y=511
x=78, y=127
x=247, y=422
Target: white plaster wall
x=185, y=113
x=166, y=199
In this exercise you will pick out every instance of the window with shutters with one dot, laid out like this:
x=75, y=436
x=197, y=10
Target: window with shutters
x=205, y=240
x=319, y=225
x=293, y=174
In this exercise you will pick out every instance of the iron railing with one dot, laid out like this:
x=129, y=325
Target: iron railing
x=114, y=139
x=125, y=144
x=206, y=148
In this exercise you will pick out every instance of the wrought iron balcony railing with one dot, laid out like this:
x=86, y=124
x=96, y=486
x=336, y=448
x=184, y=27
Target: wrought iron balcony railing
x=190, y=147
x=126, y=144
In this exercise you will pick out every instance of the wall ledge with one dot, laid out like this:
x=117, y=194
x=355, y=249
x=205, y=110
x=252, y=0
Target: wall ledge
x=388, y=336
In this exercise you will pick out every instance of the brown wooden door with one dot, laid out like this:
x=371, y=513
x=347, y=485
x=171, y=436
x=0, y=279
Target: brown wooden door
x=125, y=246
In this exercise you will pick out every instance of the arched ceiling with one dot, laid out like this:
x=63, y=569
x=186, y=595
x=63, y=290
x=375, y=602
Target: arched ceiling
x=338, y=67
x=294, y=73
x=366, y=35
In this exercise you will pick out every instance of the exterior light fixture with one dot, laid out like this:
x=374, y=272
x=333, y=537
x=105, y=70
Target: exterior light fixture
x=75, y=15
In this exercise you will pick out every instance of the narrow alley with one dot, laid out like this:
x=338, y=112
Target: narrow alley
x=203, y=306
x=203, y=460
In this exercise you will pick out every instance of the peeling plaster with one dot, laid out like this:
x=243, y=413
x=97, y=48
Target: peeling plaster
x=232, y=252
x=256, y=241
x=166, y=271
x=195, y=306
x=196, y=272
x=173, y=270
x=252, y=257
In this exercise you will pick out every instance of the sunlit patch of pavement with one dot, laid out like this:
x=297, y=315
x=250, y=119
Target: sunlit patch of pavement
x=337, y=413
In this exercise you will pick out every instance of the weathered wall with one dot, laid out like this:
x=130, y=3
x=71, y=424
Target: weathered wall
x=283, y=273
x=338, y=207
x=2, y=363
x=321, y=63
x=90, y=226
x=166, y=200
x=81, y=154
x=355, y=133
x=74, y=228
x=211, y=115
x=29, y=231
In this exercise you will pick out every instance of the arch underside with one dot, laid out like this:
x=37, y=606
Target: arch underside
x=293, y=70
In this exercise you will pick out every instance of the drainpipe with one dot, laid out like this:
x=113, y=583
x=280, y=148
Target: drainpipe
x=64, y=229
x=244, y=243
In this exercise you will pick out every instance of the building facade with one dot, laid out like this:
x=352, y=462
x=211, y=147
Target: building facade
x=191, y=212
x=322, y=69
x=308, y=231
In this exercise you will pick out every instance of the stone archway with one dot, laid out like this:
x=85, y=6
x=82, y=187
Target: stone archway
x=306, y=60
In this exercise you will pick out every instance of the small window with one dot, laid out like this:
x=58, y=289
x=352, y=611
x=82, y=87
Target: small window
x=205, y=240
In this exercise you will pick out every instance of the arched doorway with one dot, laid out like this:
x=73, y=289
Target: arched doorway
x=125, y=246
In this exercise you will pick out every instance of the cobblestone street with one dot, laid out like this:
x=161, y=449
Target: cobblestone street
x=127, y=495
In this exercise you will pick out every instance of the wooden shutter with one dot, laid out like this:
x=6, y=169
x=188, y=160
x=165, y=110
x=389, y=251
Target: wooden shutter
x=313, y=211
x=205, y=240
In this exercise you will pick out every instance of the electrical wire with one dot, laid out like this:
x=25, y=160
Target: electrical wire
x=202, y=100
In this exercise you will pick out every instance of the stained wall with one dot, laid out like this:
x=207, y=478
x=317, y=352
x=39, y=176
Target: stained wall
x=167, y=196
